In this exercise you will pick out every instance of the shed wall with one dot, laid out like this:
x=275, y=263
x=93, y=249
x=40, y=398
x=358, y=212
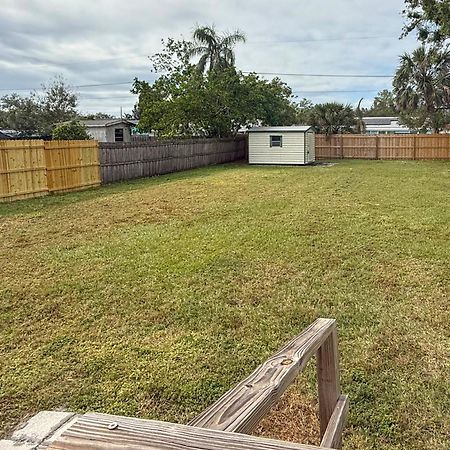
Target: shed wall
x=292, y=151
x=97, y=133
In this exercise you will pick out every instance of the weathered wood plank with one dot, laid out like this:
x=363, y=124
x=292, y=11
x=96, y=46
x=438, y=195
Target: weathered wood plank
x=241, y=408
x=92, y=432
x=328, y=379
x=332, y=437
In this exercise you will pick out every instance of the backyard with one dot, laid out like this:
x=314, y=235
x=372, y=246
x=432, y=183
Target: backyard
x=152, y=298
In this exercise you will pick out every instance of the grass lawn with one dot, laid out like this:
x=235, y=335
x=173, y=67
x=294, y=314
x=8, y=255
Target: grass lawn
x=152, y=298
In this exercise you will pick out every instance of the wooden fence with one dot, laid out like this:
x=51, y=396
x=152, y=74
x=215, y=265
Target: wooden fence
x=237, y=411
x=126, y=161
x=35, y=168
x=410, y=146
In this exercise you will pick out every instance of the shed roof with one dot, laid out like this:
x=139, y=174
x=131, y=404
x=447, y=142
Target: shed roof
x=293, y=128
x=105, y=122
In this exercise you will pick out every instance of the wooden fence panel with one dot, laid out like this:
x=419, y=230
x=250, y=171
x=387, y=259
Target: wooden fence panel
x=433, y=146
x=407, y=146
x=126, y=161
x=72, y=165
x=22, y=169
x=359, y=146
x=396, y=147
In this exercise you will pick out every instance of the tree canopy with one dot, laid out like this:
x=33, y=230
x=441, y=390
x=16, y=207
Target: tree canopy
x=383, y=105
x=332, y=118
x=37, y=114
x=429, y=18
x=73, y=130
x=185, y=101
x=214, y=49
x=422, y=88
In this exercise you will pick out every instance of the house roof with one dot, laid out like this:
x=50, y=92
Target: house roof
x=105, y=122
x=293, y=128
x=379, y=120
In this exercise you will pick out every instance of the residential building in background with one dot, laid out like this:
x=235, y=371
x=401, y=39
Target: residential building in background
x=385, y=125
x=109, y=130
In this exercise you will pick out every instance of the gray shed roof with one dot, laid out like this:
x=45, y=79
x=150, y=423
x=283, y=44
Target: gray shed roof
x=293, y=128
x=105, y=122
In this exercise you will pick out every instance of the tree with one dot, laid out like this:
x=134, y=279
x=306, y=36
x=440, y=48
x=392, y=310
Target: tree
x=429, y=18
x=383, y=105
x=214, y=49
x=37, y=114
x=58, y=104
x=73, y=130
x=333, y=118
x=304, y=109
x=98, y=115
x=22, y=114
x=422, y=88
x=184, y=102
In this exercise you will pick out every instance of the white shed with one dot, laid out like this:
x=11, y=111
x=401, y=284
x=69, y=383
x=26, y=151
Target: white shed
x=281, y=145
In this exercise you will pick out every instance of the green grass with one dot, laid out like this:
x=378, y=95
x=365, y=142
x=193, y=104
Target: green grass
x=152, y=298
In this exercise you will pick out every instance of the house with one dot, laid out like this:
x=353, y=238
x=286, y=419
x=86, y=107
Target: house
x=109, y=130
x=281, y=145
x=385, y=125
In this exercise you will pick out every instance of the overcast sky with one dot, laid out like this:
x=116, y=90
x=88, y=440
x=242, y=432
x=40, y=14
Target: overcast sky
x=92, y=42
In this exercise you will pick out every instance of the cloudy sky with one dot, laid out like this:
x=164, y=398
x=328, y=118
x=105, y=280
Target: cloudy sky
x=99, y=46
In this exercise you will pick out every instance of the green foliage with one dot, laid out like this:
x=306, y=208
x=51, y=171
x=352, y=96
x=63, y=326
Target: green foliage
x=21, y=113
x=184, y=102
x=98, y=115
x=429, y=18
x=383, y=105
x=332, y=118
x=73, y=130
x=37, y=114
x=214, y=49
x=422, y=88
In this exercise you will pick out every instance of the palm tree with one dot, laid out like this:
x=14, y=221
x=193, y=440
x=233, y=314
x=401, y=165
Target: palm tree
x=332, y=118
x=422, y=85
x=214, y=48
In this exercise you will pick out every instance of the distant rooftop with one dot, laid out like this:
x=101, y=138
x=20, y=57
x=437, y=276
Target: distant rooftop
x=105, y=122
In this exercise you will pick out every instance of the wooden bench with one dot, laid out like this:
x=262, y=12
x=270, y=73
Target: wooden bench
x=238, y=411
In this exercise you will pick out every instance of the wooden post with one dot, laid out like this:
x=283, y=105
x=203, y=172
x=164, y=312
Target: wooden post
x=377, y=147
x=328, y=379
x=342, y=146
x=414, y=145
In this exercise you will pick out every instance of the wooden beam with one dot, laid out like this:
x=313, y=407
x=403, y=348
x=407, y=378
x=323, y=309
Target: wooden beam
x=105, y=432
x=328, y=379
x=332, y=437
x=241, y=408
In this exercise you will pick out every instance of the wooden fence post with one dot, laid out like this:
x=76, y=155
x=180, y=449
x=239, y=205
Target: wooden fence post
x=377, y=147
x=328, y=379
x=414, y=145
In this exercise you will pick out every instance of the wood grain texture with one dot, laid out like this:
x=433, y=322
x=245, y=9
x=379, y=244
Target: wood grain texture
x=408, y=146
x=91, y=432
x=241, y=408
x=126, y=161
x=332, y=437
x=328, y=379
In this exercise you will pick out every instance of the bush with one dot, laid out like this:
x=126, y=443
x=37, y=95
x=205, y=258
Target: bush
x=73, y=130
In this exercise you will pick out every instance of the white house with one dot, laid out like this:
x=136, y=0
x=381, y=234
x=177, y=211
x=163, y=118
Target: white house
x=385, y=125
x=281, y=145
x=109, y=130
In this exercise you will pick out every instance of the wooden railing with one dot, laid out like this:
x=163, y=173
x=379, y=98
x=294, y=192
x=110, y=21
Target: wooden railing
x=237, y=411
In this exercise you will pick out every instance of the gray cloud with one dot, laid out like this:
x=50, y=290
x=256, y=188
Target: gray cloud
x=108, y=41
